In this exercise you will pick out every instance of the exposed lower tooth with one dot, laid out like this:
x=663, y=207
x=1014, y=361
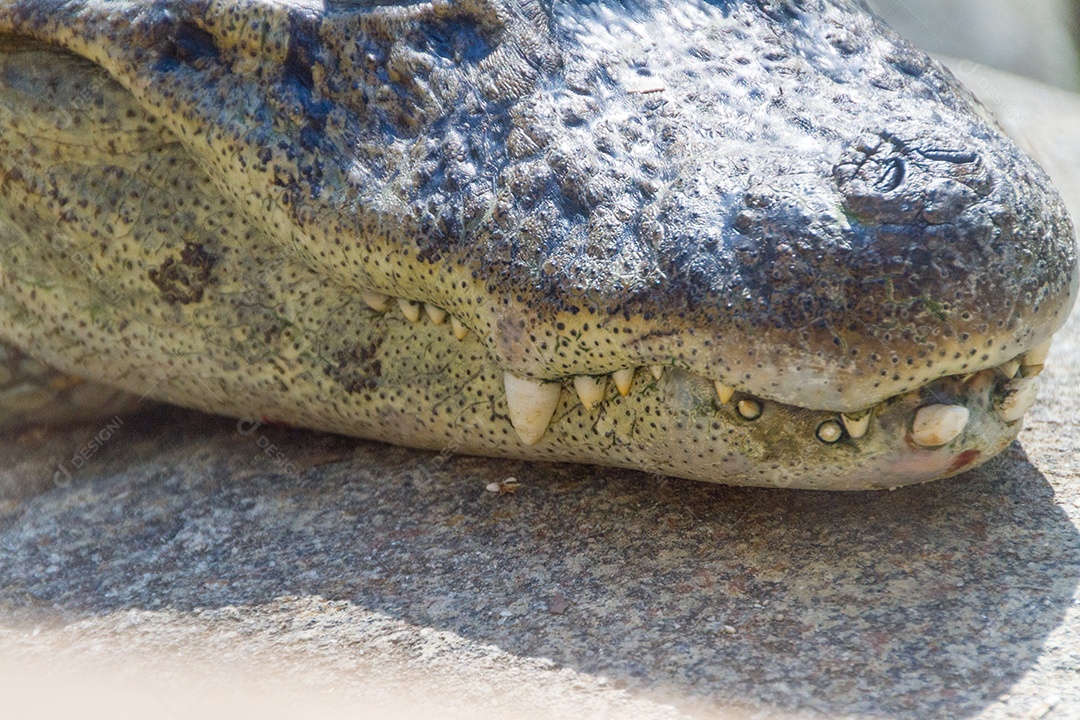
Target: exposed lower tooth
x=623, y=379
x=856, y=425
x=377, y=301
x=409, y=309
x=936, y=425
x=657, y=371
x=532, y=404
x=437, y=314
x=1010, y=368
x=460, y=331
x=1016, y=398
x=590, y=390
x=749, y=409
x=724, y=392
x=829, y=431
x=1037, y=355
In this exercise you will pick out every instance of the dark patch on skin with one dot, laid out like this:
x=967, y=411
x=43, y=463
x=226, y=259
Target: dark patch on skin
x=183, y=281
x=189, y=45
x=304, y=56
x=358, y=367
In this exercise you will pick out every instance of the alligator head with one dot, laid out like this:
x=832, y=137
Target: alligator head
x=761, y=242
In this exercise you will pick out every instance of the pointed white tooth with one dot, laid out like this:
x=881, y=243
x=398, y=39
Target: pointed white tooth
x=936, y=425
x=377, y=301
x=1009, y=369
x=460, y=331
x=830, y=431
x=724, y=392
x=590, y=390
x=437, y=314
x=1037, y=355
x=409, y=309
x=657, y=371
x=531, y=403
x=856, y=424
x=623, y=379
x=749, y=409
x=1016, y=398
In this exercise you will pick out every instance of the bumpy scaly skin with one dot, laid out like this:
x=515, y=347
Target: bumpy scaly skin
x=781, y=201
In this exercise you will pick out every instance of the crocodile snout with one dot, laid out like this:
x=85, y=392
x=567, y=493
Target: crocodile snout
x=754, y=242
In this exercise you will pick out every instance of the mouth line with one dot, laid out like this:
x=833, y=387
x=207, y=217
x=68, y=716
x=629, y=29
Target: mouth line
x=941, y=412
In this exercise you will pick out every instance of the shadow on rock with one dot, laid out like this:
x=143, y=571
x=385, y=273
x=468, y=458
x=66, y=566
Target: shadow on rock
x=910, y=602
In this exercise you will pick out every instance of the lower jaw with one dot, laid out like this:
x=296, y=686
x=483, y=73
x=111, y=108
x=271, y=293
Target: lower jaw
x=671, y=422
x=674, y=424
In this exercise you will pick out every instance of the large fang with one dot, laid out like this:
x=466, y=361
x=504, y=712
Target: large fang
x=936, y=425
x=1016, y=398
x=377, y=301
x=856, y=425
x=623, y=378
x=724, y=392
x=460, y=331
x=657, y=371
x=590, y=390
x=409, y=309
x=437, y=314
x=531, y=403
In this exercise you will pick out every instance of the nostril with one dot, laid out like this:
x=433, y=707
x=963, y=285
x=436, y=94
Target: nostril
x=870, y=176
x=956, y=157
x=893, y=171
x=965, y=167
x=898, y=179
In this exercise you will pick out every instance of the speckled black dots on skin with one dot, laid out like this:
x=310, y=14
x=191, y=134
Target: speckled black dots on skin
x=749, y=242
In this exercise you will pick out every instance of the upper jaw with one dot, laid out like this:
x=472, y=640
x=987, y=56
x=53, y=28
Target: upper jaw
x=815, y=240
x=828, y=288
x=902, y=240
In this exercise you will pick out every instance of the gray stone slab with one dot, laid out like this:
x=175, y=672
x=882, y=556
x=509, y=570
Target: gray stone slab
x=192, y=567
